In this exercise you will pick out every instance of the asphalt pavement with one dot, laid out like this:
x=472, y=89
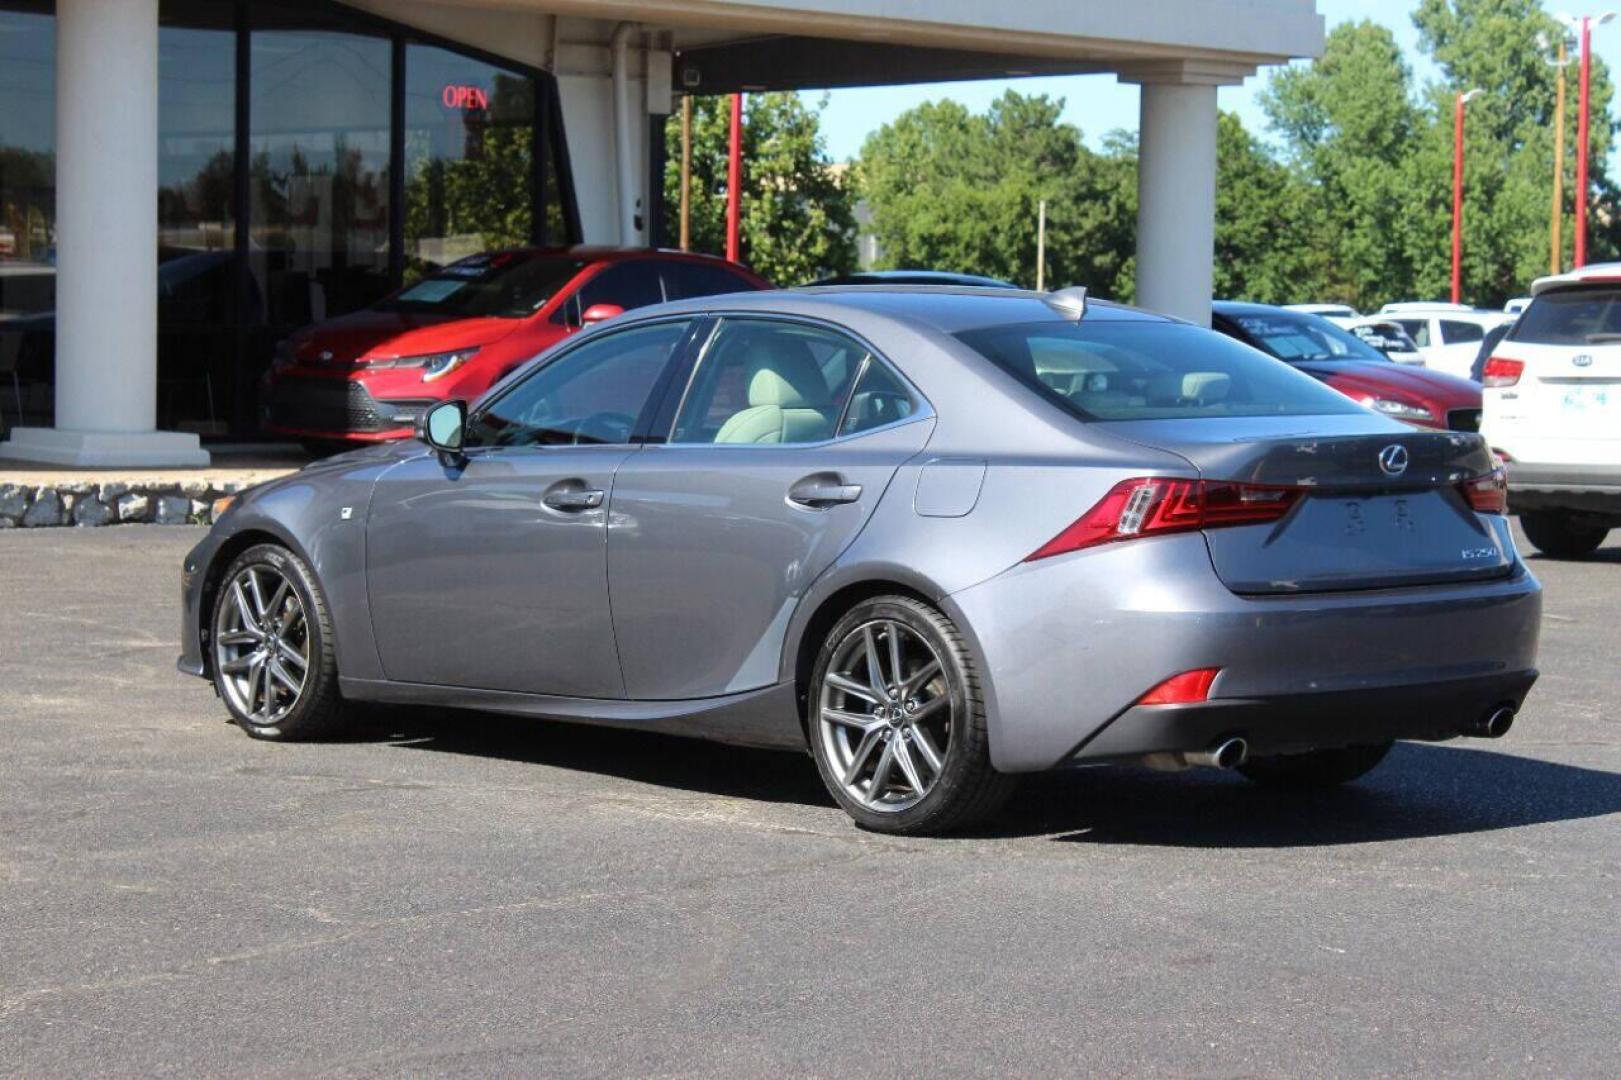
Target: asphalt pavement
x=458, y=894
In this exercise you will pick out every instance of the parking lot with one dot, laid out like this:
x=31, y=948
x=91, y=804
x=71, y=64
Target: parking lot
x=461, y=894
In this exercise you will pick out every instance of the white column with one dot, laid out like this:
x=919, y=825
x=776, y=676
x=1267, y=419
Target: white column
x=1176, y=198
x=106, y=245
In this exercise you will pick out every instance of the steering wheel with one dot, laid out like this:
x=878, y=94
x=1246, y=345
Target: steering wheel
x=604, y=427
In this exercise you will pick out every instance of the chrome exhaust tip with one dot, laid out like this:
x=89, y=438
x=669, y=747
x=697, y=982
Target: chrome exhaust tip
x=1493, y=725
x=1227, y=754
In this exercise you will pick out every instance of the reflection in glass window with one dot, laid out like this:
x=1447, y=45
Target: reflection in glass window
x=318, y=173
x=27, y=215
x=469, y=164
x=197, y=282
x=590, y=395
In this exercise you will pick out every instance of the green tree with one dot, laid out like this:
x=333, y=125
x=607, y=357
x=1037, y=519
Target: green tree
x=1266, y=249
x=951, y=190
x=798, y=217
x=1497, y=46
x=1349, y=128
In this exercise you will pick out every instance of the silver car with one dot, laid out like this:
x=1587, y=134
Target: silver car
x=940, y=537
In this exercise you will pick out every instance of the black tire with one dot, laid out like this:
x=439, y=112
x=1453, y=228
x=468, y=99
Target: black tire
x=1315, y=769
x=1561, y=534
x=967, y=789
x=319, y=710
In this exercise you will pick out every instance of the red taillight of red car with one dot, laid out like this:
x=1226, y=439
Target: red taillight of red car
x=1501, y=371
x=1487, y=494
x=1156, y=505
x=1188, y=688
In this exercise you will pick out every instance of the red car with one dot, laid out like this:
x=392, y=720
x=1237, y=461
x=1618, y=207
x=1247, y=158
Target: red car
x=1408, y=392
x=367, y=376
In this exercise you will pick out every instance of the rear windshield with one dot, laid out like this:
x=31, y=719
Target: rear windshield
x=1150, y=371
x=505, y=285
x=1590, y=316
x=1305, y=337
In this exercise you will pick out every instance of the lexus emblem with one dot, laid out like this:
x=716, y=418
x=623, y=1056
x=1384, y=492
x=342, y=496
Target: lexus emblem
x=1393, y=459
x=1582, y=359
x=326, y=355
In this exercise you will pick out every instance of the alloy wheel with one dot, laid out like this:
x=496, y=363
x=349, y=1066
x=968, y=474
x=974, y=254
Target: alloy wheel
x=885, y=716
x=262, y=644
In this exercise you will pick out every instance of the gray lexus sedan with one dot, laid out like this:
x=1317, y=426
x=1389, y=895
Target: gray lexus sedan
x=940, y=537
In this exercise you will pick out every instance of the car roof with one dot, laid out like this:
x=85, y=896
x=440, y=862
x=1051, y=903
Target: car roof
x=1593, y=274
x=612, y=253
x=912, y=277
x=946, y=309
x=1245, y=307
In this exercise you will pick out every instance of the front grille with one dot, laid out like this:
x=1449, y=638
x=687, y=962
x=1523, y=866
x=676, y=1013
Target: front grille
x=325, y=405
x=1464, y=420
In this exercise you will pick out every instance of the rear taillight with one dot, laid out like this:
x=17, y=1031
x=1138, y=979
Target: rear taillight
x=1188, y=688
x=1155, y=505
x=1487, y=494
x=1501, y=371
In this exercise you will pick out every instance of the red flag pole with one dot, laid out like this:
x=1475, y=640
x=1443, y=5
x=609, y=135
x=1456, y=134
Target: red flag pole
x=734, y=183
x=1582, y=143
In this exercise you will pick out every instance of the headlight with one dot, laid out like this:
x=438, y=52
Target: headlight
x=437, y=365
x=1401, y=410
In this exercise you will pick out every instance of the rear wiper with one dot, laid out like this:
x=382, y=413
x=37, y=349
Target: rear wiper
x=1607, y=338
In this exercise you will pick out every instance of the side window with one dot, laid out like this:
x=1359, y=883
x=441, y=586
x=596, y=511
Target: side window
x=762, y=381
x=1459, y=333
x=683, y=280
x=880, y=398
x=590, y=395
x=1418, y=330
x=629, y=285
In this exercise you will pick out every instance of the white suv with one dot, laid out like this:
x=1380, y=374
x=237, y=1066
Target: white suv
x=1447, y=335
x=1553, y=410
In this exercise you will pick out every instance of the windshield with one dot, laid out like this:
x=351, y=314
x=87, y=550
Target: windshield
x=505, y=285
x=1590, y=316
x=1297, y=338
x=1150, y=371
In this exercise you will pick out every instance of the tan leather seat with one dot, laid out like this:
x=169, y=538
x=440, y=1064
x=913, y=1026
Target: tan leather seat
x=788, y=398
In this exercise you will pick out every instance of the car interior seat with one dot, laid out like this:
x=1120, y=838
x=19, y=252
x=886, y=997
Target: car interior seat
x=788, y=398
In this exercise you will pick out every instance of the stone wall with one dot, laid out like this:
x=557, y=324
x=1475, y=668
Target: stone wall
x=93, y=504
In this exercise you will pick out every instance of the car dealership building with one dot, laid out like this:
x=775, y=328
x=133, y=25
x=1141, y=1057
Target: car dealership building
x=293, y=160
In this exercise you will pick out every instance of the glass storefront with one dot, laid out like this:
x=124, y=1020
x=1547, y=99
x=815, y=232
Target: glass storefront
x=357, y=153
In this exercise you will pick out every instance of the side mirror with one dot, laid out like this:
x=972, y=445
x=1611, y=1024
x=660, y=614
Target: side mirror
x=443, y=426
x=600, y=313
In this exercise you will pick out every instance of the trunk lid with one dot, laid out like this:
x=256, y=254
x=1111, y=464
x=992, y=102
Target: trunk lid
x=1359, y=524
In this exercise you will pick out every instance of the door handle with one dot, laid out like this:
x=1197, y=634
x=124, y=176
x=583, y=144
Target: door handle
x=822, y=491
x=573, y=499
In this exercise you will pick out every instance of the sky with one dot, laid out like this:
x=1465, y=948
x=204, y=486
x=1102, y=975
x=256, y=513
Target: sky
x=1098, y=104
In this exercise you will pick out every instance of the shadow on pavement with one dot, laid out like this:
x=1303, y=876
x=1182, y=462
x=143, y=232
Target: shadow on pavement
x=1420, y=790
x=646, y=757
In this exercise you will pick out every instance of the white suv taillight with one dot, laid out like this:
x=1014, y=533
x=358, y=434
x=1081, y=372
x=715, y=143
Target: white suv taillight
x=1501, y=371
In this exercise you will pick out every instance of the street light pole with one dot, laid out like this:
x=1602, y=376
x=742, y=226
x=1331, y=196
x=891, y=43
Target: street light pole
x=1457, y=193
x=1556, y=245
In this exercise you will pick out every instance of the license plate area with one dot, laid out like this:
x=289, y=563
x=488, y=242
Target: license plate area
x=1377, y=540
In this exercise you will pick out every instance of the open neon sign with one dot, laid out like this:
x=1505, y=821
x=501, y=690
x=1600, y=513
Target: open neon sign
x=457, y=96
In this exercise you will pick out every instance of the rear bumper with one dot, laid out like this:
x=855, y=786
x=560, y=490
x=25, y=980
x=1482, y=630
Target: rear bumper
x=1533, y=486
x=1295, y=722
x=1068, y=645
